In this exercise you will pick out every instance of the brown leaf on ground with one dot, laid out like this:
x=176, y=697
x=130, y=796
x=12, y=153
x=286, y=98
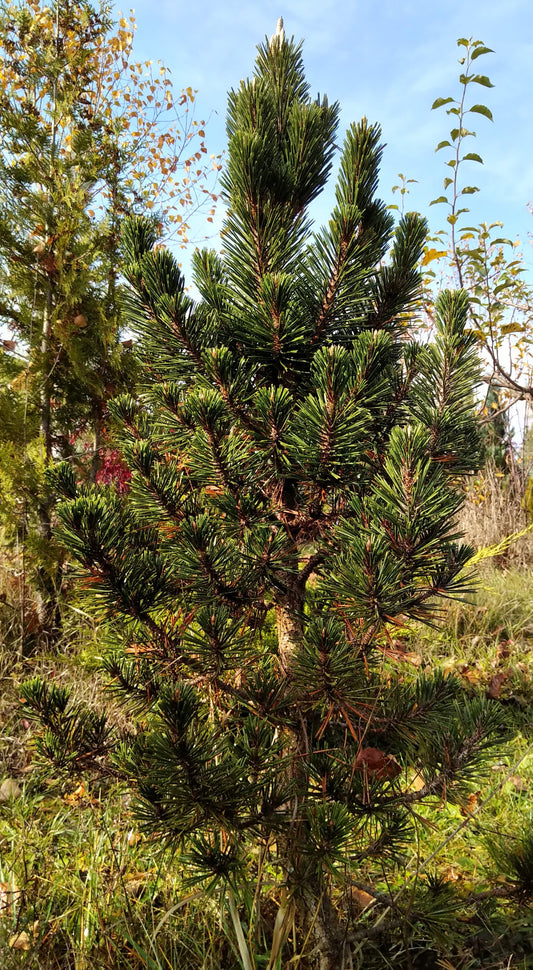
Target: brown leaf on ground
x=503, y=650
x=450, y=874
x=20, y=941
x=471, y=674
x=518, y=783
x=23, y=940
x=495, y=684
x=360, y=898
x=471, y=804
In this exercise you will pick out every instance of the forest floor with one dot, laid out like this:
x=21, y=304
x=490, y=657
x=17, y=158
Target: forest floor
x=81, y=887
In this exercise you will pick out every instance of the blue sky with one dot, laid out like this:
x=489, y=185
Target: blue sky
x=388, y=61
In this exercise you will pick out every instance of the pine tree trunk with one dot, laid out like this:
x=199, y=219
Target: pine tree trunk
x=289, y=626
x=329, y=936
x=316, y=910
x=289, y=630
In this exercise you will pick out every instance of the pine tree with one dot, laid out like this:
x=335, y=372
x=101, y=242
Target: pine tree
x=296, y=458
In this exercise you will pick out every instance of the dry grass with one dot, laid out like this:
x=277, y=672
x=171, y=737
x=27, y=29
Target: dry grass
x=494, y=509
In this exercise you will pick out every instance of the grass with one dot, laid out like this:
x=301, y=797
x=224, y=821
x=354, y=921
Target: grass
x=82, y=889
x=488, y=642
x=495, y=507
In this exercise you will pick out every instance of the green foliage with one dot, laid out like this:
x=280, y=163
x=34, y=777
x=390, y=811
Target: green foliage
x=67, y=727
x=482, y=260
x=82, y=134
x=458, y=134
x=59, y=264
x=295, y=459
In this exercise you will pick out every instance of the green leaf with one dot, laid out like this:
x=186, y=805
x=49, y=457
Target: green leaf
x=453, y=111
x=484, y=80
x=472, y=157
x=441, y=198
x=478, y=51
x=447, y=182
x=469, y=190
x=463, y=42
x=466, y=78
x=440, y=101
x=481, y=109
x=443, y=144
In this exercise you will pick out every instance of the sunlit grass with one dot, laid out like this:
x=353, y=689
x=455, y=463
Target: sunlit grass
x=82, y=889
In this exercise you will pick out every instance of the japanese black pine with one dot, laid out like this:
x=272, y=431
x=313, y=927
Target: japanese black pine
x=296, y=460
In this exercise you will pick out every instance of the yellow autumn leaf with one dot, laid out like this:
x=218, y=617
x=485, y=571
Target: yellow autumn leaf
x=431, y=254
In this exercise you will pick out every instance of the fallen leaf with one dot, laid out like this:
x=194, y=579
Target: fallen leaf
x=518, y=783
x=9, y=790
x=418, y=783
x=503, y=650
x=21, y=941
x=495, y=684
x=80, y=794
x=471, y=804
x=470, y=674
x=450, y=874
x=360, y=898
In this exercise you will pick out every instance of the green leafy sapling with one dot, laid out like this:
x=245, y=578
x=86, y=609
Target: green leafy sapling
x=459, y=109
x=484, y=262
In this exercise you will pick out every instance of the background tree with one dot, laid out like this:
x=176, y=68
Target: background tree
x=482, y=260
x=82, y=132
x=295, y=456
x=492, y=270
